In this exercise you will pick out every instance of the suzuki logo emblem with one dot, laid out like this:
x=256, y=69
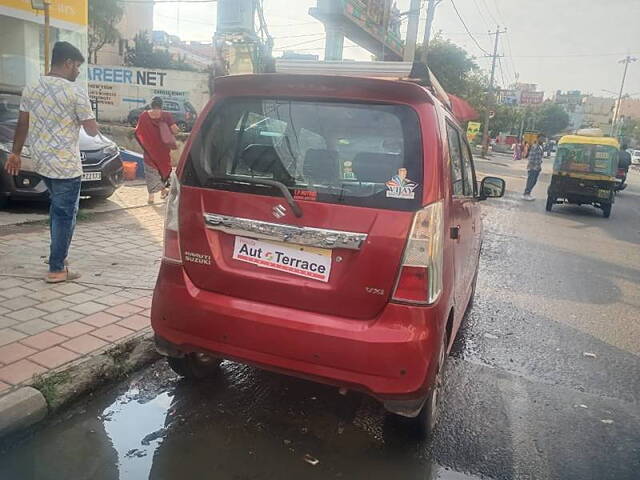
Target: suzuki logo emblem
x=279, y=211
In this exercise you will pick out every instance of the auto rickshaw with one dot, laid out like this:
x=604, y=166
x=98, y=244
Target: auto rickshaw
x=584, y=172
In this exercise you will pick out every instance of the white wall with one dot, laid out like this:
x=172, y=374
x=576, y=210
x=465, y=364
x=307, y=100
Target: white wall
x=119, y=90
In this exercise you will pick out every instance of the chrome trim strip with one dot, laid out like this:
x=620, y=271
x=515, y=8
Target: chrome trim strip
x=313, y=237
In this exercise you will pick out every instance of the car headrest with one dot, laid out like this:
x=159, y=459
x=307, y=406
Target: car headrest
x=376, y=167
x=264, y=160
x=321, y=166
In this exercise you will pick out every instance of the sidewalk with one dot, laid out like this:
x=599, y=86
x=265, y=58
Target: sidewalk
x=45, y=327
x=131, y=194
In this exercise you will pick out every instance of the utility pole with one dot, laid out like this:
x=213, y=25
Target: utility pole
x=431, y=13
x=412, y=31
x=629, y=59
x=490, y=96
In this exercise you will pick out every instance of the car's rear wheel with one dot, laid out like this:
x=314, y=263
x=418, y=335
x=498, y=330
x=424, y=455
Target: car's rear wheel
x=606, y=210
x=4, y=202
x=425, y=423
x=194, y=366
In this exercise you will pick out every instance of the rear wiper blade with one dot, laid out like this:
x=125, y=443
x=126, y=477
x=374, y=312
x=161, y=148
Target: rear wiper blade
x=267, y=183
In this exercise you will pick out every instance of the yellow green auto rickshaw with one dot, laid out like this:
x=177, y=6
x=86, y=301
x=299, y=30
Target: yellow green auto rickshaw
x=584, y=172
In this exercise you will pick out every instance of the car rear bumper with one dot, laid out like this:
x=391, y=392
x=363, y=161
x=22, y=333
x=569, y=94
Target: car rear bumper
x=391, y=357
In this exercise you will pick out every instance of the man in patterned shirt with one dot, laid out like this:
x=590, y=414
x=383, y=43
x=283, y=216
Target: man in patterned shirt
x=51, y=113
x=533, y=168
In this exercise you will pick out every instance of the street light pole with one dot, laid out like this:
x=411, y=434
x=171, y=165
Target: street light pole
x=43, y=5
x=629, y=59
x=47, y=40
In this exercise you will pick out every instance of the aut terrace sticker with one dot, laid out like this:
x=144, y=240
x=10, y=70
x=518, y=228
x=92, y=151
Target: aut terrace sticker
x=401, y=187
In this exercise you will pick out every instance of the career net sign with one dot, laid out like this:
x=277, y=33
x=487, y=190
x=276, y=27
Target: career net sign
x=313, y=263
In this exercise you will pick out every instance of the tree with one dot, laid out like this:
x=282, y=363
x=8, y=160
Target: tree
x=457, y=71
x=104, y=15
x=630, y=131
x=144, y=55
x=551, y=119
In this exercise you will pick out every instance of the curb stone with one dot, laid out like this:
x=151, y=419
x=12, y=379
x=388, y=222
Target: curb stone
x=20, y=409
x=26, y=406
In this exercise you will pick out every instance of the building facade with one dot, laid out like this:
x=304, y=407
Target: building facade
x=22, y=38
x=137, y=17
x=597, y=112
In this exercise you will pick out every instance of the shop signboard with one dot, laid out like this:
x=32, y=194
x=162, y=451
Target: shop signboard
x=117, y=90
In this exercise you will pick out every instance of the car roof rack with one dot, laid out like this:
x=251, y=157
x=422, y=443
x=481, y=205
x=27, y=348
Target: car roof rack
x=415, y=72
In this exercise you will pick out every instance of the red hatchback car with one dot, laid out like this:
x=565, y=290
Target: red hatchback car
x=324, y=227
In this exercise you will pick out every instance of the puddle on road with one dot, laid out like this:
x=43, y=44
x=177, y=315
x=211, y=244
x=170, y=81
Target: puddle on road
x=245, y=424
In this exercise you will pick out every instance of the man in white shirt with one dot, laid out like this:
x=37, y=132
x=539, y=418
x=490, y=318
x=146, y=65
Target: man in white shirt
x=51, y=113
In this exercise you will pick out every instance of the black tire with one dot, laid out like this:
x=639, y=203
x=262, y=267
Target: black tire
x=194, y=366
x=4, y=202
x=425, y=423
x=606, y=210
x=550, y=202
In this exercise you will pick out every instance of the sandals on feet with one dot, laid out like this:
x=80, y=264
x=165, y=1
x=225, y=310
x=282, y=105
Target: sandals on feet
x=64, y=276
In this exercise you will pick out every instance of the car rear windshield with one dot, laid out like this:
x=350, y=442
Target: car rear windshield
x=367, y=155
x=587, y=158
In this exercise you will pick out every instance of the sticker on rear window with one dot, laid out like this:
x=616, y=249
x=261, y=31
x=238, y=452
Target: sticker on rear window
x=308, y=195
x=400, y=186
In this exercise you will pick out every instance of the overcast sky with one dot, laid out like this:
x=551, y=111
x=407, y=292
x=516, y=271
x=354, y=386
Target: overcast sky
x=558, y=44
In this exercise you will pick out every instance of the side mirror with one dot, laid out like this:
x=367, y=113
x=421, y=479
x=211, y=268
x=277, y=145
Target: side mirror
x=492, y=187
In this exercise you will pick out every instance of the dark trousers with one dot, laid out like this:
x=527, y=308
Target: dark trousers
x=65, y=197
x=532, y=179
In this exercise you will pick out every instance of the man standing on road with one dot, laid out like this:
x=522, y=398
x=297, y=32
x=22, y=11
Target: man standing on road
x=51, y=113
x=533, y=168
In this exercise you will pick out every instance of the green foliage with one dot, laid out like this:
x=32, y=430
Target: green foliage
x=630, y=131
x=507, y=120
x=551, y=119
x=104, y=15
x=48, y=385
x=457, y=71
x=144, y=55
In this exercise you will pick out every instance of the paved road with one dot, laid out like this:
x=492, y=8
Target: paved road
x=543, y=381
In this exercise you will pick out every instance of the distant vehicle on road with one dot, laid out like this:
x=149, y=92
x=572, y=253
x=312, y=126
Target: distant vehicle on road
x=584, y=173
x=101, y=163
x=326, y=227
x=183, y=113
x=635, y=157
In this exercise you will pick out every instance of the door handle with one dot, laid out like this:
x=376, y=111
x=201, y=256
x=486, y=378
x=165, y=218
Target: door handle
x=454, y=232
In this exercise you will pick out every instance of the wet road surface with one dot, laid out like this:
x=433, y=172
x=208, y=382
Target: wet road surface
x=543, y=382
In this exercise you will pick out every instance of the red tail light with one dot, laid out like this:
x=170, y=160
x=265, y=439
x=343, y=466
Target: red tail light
x=413, y=285
x=420, y=279
x=171, y=224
